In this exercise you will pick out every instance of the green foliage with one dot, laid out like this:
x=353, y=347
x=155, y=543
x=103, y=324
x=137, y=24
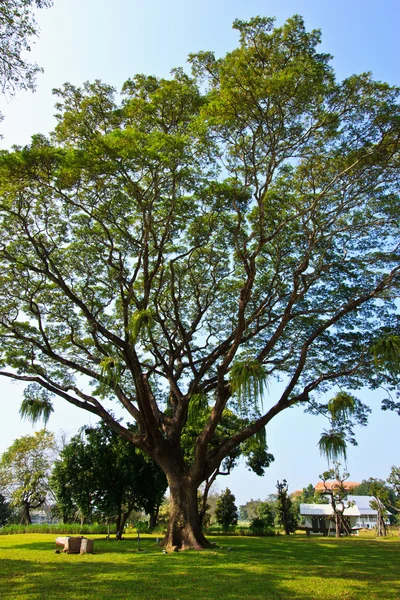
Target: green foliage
x=25, y=471
x=247, y=380
x=342, y=406
x=36, y=404
x=4, y=511
x=249, y=511
x=394, y=480
x=386, y=353
x=208, y=233
x=264, y=520
x=258, y=526
x=286, y=512
x=197, y=407
x=226, y=511
x=17, y=27
x=141, y=321
x=332, y=445
x=99, y=472
x=111, y=370
x=310, y=496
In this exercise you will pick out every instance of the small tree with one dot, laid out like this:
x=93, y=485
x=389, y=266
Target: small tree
x=249, y=511
x=25, y=471
x=287, y=515
x=264, y=519
x=337, y=494
x=226, y=511
x=380, y=493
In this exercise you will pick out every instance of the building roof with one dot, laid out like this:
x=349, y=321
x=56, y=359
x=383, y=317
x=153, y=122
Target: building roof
x=348, y=485
x=318, y=510
x=325, y=510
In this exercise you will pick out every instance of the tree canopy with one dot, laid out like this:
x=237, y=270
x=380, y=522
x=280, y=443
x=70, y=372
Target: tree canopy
x=182, y=246
x=25, y=470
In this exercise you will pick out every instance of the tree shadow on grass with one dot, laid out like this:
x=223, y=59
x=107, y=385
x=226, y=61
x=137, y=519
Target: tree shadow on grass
x=100, y=580
x=276, y=569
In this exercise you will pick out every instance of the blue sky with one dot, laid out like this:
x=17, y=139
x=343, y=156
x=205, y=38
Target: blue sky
x=96, y=39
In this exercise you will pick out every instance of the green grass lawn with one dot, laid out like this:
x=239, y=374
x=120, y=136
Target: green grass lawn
x=254, y=569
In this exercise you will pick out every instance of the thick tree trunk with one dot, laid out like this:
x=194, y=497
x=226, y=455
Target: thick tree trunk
x=184, y=530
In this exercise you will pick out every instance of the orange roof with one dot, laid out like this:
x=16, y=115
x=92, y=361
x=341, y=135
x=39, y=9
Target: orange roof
x=348, y=485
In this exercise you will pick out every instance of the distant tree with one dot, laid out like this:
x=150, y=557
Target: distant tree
x=307, y=495
x=212, y=505
x=99, y=471
x=381, y=499
x=265, y=517
x=249, y=510
x=366, y=488
x=394, y=481
x=388, y=491
x=243, y=512
x=25, y=470
x=226, y=511
x=363, y=489
x=267, y=512
x=286, y=513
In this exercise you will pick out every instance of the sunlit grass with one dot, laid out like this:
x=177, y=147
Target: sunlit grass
x=253, y=568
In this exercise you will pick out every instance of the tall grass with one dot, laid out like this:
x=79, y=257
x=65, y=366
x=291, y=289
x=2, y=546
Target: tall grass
x=58, y=528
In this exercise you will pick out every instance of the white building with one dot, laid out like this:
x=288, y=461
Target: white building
x=319, y=517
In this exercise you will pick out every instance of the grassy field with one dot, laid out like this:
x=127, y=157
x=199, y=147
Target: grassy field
x=239, y=568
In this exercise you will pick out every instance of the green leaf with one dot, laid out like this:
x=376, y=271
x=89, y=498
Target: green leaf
x=111, y=369
x=141, y=320
x=197, y=405
x=333, y=445
x=386, y=353
x=342, y=406
x=36, y=404
x=248, y=380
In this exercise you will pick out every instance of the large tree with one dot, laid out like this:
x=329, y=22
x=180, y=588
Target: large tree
x=184, y=246
x=25, y=470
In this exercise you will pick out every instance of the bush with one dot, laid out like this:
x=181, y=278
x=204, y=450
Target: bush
x=259, y=526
